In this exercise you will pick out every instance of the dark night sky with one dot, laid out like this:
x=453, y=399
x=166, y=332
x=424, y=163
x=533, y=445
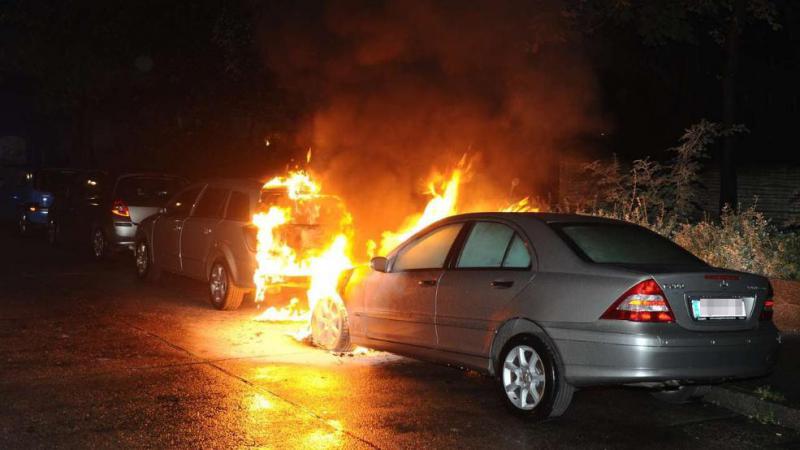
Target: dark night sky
x=198, y=86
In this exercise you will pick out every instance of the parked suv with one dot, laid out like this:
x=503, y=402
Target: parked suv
x=204, y=232
x=103, y=210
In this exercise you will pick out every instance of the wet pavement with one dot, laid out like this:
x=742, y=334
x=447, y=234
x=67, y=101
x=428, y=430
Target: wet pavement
x=90, y=357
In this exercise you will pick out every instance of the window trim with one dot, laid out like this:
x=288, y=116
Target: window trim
x=200, y=198
x=422, y=234
x=516, y=231
x=558, y=228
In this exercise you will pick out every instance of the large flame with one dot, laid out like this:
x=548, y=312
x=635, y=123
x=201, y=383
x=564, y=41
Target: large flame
x=321, y=267
x=277, y=261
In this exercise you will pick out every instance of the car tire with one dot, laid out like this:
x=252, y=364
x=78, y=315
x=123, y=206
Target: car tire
x=535, y=373
x=223, y=293
x=23, y=226
x=53, y=232
x=144, y=262
x=330, y=328
x=98, y=245
x=683, y=394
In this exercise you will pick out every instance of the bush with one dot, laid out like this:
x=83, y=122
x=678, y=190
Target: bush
x=742, y=240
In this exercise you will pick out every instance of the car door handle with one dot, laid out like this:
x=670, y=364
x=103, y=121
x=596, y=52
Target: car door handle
x=426, y=283
x=501, y=284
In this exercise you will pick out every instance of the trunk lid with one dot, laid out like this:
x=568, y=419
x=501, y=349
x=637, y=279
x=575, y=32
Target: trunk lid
x=681, y=285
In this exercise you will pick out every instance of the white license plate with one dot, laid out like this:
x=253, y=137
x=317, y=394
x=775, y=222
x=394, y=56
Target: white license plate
x=718, y=308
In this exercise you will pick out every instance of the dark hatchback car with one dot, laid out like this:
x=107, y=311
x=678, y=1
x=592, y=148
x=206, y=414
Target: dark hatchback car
x=102, y=210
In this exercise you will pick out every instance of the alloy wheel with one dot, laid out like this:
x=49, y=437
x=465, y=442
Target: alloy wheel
x=98, y=243
x=218, y=283
x=142, y=258
x=524, y=377
x=326, y=323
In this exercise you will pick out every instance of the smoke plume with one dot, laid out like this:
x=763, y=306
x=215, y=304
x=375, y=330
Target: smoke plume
x=393, y=90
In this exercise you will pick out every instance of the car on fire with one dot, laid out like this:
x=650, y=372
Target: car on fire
x=548, y=303
x=206, y=232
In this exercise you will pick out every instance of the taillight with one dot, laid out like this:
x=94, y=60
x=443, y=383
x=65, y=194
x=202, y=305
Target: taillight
x=120, y=208
x=645, y=302
x=251, y=237
x=769, y=305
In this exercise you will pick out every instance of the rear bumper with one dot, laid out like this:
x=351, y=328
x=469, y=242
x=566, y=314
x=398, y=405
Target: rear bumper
x=595, y=357
x=122, y=234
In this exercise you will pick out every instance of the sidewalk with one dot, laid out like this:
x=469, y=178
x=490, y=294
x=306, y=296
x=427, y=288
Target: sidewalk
x=773, y=399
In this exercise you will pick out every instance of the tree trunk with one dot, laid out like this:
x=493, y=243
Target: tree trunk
x=728, y=194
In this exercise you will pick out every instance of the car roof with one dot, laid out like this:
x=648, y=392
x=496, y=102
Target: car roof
x=541, y=216
x=245, y=184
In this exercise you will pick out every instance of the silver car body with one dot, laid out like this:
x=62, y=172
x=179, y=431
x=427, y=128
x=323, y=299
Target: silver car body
x=466, y=316
x=188, y=243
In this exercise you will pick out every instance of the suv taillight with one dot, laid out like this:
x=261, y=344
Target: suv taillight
x=769, y=305
x=644, y=302
x=120, y=208
x=251, y=237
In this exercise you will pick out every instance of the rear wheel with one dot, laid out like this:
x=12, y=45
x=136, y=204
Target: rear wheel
x=52, y=232
x=530, y=381
x=223, y=293
x=99, y=246
x=683, y=394
x=23, y=227
x=329, y=327
x=146, y=268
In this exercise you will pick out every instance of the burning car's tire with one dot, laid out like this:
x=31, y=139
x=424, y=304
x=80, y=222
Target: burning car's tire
x=683, y=394
x=222, y=291
x=530, y=381
x=329, y=327
x=146, y=268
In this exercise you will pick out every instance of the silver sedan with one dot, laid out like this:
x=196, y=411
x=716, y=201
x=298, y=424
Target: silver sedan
x=548, y=303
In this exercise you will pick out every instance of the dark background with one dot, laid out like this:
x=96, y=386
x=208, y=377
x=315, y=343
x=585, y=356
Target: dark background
x=245, y=88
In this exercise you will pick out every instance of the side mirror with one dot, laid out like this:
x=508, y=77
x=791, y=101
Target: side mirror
x=379, y=264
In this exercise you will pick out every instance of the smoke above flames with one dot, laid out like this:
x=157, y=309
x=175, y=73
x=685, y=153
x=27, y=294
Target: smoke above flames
x=392, y=91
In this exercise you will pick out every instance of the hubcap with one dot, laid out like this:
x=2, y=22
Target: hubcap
x=98, y=243
x=326, y=323
x=219, y=283
x=523, y=377
x=141, y=258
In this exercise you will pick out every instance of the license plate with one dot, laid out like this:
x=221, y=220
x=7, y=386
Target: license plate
x=718, y=308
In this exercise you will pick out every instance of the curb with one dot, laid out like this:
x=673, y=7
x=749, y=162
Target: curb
x=753, y=406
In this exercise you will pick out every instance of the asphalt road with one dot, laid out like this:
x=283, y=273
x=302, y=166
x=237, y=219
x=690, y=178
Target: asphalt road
x=90, y=357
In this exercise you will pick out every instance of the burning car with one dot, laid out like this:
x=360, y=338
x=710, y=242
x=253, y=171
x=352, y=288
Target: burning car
x=547, y=303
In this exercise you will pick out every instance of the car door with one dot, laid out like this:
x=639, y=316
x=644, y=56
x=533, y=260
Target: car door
x=493, y=266
x=198, y=230
x=400, y=307
x=167, y=228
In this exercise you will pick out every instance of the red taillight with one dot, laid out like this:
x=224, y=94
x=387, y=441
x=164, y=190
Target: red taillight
x=645, y=302
x=120, y=208
x=767, y=310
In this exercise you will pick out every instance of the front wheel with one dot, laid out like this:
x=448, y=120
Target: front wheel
x=329, y=327
x=146, y=268
x=530, y=381
x=223, y=293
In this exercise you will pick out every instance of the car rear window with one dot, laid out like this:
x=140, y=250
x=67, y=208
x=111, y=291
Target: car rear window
x=623, y=244
x=147, y=191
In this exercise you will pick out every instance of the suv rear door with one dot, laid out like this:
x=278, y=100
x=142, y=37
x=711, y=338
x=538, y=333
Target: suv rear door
x=198, y=230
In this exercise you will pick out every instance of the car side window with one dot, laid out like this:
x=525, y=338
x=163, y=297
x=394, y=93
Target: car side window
x=181, y=204
x=211, y=204
x=238, y=207
x=493, y=245
x=429, y=251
